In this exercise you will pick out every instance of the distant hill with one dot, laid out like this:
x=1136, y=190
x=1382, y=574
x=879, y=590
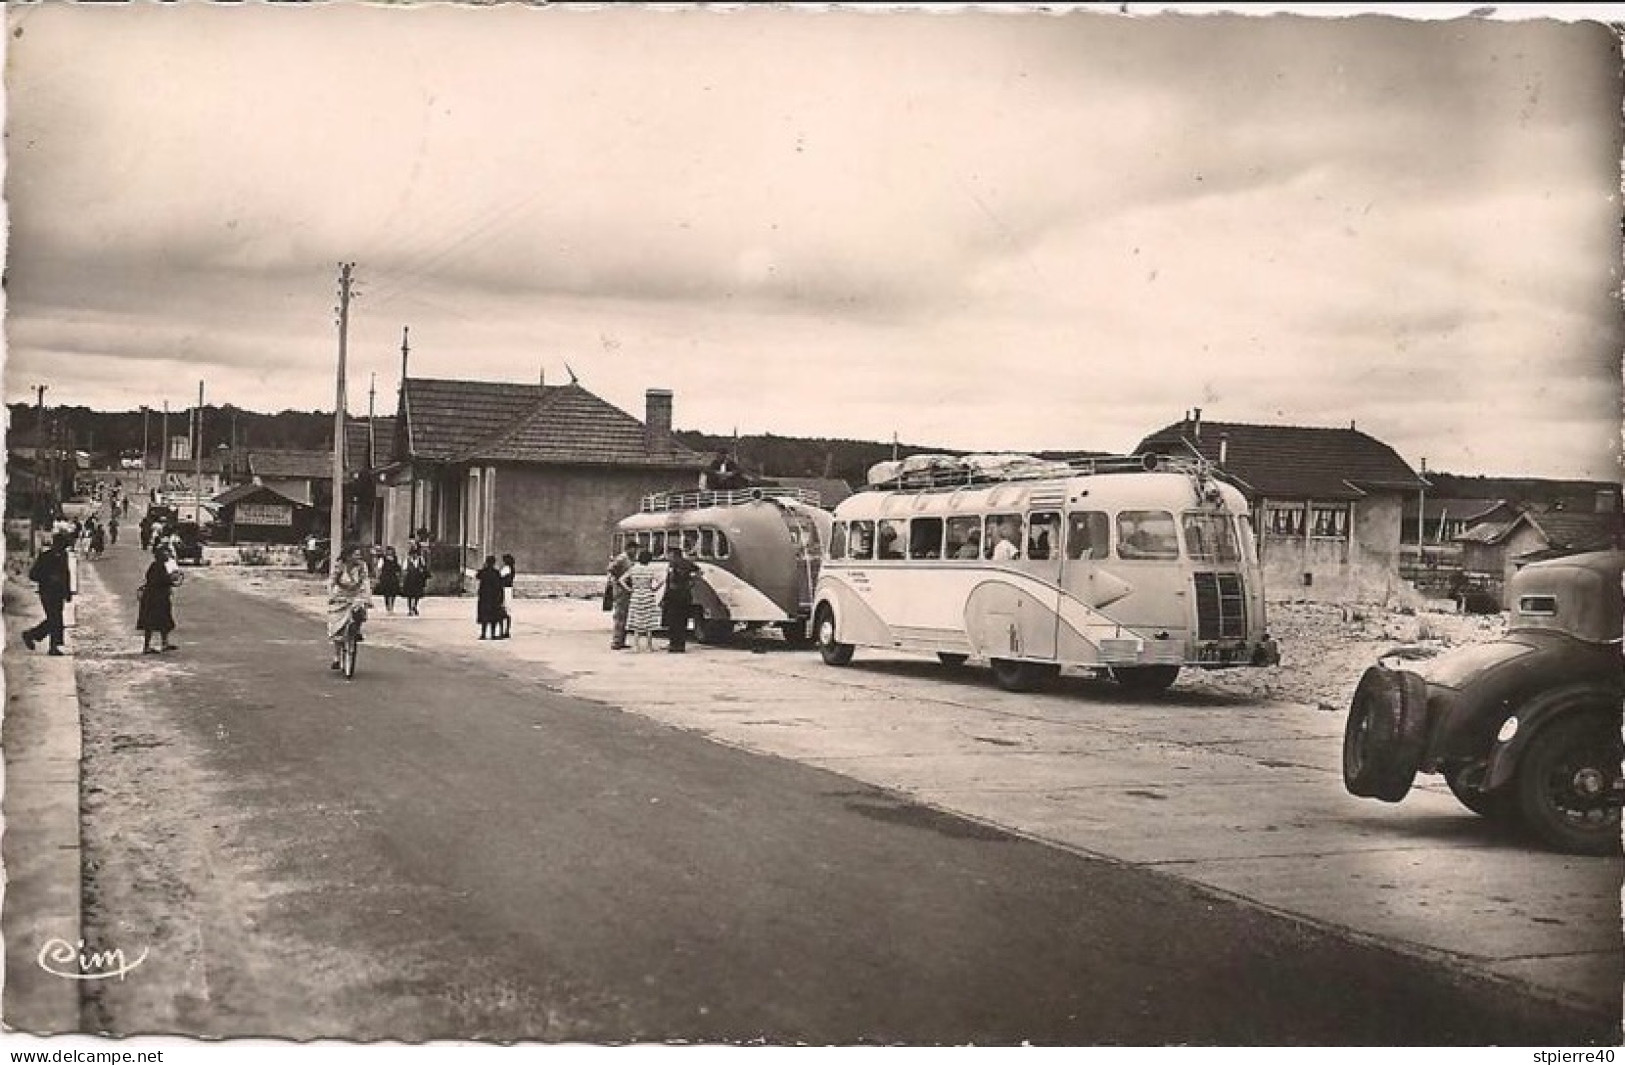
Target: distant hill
x=1538, y=491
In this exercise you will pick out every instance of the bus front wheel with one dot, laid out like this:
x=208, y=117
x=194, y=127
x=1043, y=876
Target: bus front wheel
x=1022, y=676
x=833, y=653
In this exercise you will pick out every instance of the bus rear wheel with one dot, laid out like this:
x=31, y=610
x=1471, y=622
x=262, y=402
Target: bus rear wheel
x=796, y=634
x=1022, y=676
x=1148, y=679
x=713, y=630
x=833, y=652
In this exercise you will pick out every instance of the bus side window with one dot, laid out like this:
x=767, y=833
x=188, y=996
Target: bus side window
x=863, y=540
x=657, y=544
x=891, y=539
x=1002, y=538
x=1043, y=535
x=837, y=540
x=722, y=544
x=691, y=542
x=708, y=544
x=1088, y=535
x=964, y=537
x=925, y=538
x=1146, y=534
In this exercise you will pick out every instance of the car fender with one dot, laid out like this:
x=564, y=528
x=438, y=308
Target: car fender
x=1535, y=715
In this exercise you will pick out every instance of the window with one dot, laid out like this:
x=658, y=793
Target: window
x=1088, y=535
x=863, y=540
x=691, y=542
x=722, y=544
x=1146, y=534
x=708, y=544
x=964, y=537
x=1001, y=538
x=893, y=533
x=1284, y=519
x=1542, y=605
x=1211, y=538
x=925, y=538
x=657, y=544
x=1043, y=535
x=837, y=540
x=1330, y=523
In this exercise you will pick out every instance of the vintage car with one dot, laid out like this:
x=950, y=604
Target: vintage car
x=1526, y=727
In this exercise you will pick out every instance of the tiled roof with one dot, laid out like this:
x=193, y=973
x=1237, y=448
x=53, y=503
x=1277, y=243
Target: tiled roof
x=1291, y=461
x=312, y=465
x=1489, y=532
x=568, y=424
x=1458, y=509
x=444, y=419
x=1574, y=530
x=243, y=491
x=359, y=454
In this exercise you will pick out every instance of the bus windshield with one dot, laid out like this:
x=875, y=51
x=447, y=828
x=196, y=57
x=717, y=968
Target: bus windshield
x=1211, y=538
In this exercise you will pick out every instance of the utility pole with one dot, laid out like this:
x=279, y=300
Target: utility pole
x=197, y=460
x=335, y=528
x=39, y=461
x=163, y=453
x=143, y=445
x=1421, y=506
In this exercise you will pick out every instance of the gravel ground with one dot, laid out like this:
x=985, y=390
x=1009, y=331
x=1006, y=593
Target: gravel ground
x=1324, y=646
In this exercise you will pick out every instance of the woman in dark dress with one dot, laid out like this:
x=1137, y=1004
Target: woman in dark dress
x=157, y=610
x=389, y=579
x=488, y=607
x=415, y=578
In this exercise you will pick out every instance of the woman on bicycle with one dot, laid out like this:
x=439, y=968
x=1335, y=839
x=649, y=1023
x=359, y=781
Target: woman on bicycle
x=348, y=584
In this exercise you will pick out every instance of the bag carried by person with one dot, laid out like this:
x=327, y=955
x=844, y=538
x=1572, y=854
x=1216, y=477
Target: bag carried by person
x=609, y=594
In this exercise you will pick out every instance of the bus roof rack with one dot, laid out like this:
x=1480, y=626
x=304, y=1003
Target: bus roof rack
x=659, y=502
x=953, y=471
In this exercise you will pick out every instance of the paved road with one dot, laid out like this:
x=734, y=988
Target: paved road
x=433, y=851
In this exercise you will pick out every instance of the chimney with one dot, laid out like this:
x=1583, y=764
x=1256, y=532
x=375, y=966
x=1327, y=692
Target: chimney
x=657, y=420
x=1196, y=423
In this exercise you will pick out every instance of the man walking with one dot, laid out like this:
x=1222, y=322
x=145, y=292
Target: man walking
x=50, y=574
x=620, y=595
x=679, y=599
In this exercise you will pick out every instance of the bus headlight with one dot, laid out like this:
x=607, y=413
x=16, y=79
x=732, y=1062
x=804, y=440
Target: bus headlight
x=1509, y=729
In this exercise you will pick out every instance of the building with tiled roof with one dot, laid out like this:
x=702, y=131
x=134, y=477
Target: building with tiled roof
x=1494, y=549
x=542, y=472
x=1327, y=502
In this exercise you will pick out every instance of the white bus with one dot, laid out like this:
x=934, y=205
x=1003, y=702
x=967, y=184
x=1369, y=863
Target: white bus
x=1133, y=567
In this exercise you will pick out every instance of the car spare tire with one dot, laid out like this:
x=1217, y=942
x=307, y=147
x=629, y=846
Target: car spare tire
x=1386, y=734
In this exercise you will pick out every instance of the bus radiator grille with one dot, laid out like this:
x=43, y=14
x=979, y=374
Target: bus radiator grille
x=1221, y=608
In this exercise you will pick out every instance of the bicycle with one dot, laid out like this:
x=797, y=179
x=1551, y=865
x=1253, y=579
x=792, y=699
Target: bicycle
x=350, y=640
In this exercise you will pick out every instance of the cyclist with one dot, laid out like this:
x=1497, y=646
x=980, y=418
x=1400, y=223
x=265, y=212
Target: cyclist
x=348, y=584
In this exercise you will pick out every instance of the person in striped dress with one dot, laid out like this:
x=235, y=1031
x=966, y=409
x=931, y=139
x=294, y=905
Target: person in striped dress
x=643, y=580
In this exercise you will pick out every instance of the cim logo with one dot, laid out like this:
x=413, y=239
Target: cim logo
x=73, y=962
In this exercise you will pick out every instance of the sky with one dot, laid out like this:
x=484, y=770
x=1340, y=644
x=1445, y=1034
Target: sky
x=986, y=230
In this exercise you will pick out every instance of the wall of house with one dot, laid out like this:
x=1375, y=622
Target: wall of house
x=1364, y=567
x=558, y=520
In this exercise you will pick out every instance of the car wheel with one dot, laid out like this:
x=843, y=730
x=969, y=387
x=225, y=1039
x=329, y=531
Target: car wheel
x=1146, y=679
x=1565, y=781
x=1022, y=676
x=1386, y=734
x=952, y=659
x=1497, y=805
x=833, y=652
